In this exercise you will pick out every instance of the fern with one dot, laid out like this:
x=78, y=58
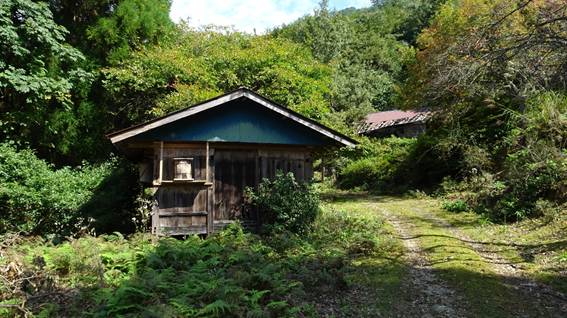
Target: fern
x=277, y=304
x=256, y=313
x=256, y=295
x=215, y=308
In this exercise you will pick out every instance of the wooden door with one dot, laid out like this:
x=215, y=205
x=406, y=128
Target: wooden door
x=235, y=169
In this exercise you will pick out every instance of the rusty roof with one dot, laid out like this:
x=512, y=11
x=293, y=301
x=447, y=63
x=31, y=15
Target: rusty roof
x=379, y=120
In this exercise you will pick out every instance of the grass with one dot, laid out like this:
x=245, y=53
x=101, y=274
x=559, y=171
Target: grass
x=457, y=263
x=535, y=246
x=233, y=273
x=487, y=292
x=352, y=264
x=379, y=275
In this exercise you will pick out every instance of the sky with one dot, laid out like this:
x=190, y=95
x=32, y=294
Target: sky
x=247, y=15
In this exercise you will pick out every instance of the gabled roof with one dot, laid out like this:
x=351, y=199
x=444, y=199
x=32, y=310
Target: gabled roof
x=181, y=120
x=379, y=120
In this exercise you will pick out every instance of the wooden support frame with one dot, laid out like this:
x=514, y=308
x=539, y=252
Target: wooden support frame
x=161, y=163
x=210, y=193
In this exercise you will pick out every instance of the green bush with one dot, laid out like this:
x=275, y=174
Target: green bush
x=381, y=169
x=39, y=199
x=457, y=206
x=286, y=203
x=508, y=173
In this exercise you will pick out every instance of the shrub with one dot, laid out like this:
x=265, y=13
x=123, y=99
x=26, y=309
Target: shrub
x=380, y=170
x=37, y=198
x=287, y=203
x=457, y=206
x=519, y=172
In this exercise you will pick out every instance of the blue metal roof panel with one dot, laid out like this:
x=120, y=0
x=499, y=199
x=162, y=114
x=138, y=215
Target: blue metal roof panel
x=238, y=121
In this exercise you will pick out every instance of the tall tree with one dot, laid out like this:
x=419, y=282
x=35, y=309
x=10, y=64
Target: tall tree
x=202, y=63
x=495, y=71
x=362, y=52
x=37, y=74
x=107, y=29
x=487, y=50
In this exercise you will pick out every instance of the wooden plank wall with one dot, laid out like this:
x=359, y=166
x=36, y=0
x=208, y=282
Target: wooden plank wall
x=181, y=207
x=235, y=169
x=197, y=207
x=297, y=162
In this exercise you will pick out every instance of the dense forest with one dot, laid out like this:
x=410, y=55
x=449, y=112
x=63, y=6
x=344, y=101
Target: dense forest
x=493, y=72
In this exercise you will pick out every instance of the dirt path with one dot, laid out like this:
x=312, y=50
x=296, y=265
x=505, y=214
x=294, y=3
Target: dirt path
x=430, y=295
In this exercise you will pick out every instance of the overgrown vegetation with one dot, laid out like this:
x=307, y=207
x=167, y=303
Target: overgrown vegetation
x=230, y=274
x=286, y=204
x=503, y=146
x=37, y=199
x=378, y=166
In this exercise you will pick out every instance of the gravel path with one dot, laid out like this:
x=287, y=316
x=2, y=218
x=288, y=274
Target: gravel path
x=552, y=303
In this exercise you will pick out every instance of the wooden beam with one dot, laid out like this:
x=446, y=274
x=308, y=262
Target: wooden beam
x=207, y=163
x=161, y=163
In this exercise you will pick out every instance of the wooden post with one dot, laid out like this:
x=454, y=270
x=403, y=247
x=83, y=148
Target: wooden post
x=207, y=163
x=257, y=185
x=210, y=194
x=161, y=163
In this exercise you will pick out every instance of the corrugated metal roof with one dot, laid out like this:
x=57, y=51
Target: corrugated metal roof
x=379, y=120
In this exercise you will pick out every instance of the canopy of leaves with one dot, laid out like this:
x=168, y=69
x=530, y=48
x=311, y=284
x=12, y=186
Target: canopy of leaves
x=105, y=30
x=490, y=49
x=203, y=63
x=37, y=73
x=362, y=51
x=495, y=70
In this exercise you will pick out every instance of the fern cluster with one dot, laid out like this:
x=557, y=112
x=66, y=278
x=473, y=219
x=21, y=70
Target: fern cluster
x=229, y=274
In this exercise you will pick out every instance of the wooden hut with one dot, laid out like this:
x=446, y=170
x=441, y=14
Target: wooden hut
x=199, y=160
x=399, y=123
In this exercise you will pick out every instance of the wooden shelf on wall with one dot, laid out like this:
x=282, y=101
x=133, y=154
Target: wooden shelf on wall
x=195, y=182
x=177, y=214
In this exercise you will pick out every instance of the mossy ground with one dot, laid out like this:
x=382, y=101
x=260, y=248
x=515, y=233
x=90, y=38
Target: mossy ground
x=533, y=248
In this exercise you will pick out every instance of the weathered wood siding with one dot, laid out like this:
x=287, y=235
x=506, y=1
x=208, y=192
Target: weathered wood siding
x=181, y=206
x=206, y=204
x=235, y=169
x=297, y=162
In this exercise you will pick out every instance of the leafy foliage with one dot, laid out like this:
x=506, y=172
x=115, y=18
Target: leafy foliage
x=106, y=30
x=457, y=206
x=286, y=203
x=201, y=64
x=37, y=74
x=38, y=199
x=495, y=90
x=379, y=166
x=229, y=274
x=362, y=51
x=130, y=24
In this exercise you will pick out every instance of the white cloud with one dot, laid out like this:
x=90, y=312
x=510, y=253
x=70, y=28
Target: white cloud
x=247, y=15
